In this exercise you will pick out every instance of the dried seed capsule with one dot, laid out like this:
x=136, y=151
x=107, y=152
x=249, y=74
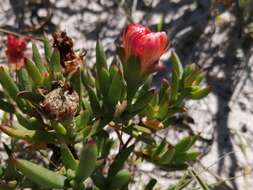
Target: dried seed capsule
x=61, y=103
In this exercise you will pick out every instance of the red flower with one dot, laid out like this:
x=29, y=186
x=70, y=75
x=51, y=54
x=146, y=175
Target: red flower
x=148, y=46
x=15, y=50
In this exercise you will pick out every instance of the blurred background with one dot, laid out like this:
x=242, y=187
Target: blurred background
x=215, y=34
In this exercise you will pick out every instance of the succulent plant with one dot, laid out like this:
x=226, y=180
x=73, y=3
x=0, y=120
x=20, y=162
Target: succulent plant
x=59, y=102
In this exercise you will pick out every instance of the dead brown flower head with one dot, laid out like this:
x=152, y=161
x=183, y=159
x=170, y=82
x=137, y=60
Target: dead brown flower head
x=70, y=60
x=60, y=103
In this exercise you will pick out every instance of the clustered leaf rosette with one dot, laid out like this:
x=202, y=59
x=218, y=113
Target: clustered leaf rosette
x=59, y=102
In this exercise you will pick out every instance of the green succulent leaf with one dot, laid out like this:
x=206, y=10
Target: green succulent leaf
x=185, y=144
x=146, y=86
x=94, y=102
x=104, y=81
x=59, y=128
x=198, y=79
x=24, y=81
x=167, y=156
x=100, y=57
x=120, y=180
x=191, y=74
x=132, y=76
x=40, y=175
x=176, y=65
x=163, y=93
x=11, y=88
x=113, y=69
x=174, y=86
x=55, y=65
x=35, y=136
x=83, y=119
x=107, y=148
x=37, y=58
x=31, y=123
x=87, y=162
x=119, y=161
x=76, y=83
x=8, y=83
x=67, y=158
x=47, y=48
x=33, y=72
x=184, y=157
x=142, y=101
x=160, y=148
x=199, y=93
x=115, y=89
x=98, y=179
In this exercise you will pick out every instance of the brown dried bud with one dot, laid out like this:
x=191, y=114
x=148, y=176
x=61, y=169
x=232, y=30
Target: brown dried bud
x=69, y=59
x=60, y=103
x=152, y=123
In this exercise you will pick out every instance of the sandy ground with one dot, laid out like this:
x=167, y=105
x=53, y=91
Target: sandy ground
x=224, y=118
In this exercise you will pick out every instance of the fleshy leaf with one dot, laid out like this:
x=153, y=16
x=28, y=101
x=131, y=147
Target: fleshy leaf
x=167, y=156
x=40, y=175
x=98, y=179
x=185, y=144
x=115, y=89
x=120, y=180
x=142, y=101
x=176, y=65
x=100, y=57
x=37, y=58
x=104, y=80
x=25, y=82
x=67, y=158
x=55, y=65
x=94, y=102
x=34, y=72
x=8, y=84
x=59, y=128
x=199, y=94
x=119, y=161
x=87, y=162
x=83, y=119
x=184, y=157
x=47, y=48
x=36, y=136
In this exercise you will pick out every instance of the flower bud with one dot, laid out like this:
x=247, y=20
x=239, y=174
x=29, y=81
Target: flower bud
x=147, y=46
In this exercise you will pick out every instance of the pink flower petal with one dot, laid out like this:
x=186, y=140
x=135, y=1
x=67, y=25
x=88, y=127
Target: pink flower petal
x=139, y=41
